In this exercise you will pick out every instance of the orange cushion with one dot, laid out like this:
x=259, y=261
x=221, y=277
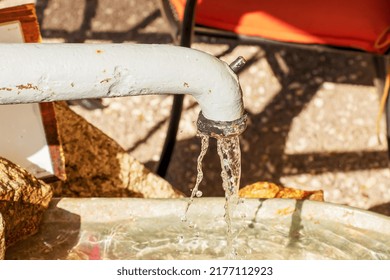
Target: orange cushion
x=361, y=24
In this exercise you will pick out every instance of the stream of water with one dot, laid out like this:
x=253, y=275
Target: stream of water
x=195, y=191
x=230, y=157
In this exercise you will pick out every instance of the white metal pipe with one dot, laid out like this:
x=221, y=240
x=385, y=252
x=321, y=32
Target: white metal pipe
x=52, y=72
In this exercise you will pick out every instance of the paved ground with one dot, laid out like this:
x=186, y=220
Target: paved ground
x=311, y=113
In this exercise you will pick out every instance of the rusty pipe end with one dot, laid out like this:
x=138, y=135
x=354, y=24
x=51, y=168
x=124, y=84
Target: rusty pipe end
x=221, y=129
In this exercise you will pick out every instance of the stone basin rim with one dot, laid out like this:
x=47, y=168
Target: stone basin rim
x=114, y=209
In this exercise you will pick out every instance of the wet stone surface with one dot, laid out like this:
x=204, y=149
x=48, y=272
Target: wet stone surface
x=311, y=113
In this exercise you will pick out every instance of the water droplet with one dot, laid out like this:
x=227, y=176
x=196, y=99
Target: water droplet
x=199, y=194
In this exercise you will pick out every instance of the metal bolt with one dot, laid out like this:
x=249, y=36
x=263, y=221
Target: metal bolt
x=237, y=64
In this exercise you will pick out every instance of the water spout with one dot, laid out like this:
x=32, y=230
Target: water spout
x=52, y=72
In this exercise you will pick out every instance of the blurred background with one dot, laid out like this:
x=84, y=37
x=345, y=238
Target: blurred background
x=311, y=113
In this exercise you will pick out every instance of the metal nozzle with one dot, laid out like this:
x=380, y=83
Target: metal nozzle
x=221, y=129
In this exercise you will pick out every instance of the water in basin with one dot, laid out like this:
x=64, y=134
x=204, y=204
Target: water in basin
x=152, y=229
x=167, y=239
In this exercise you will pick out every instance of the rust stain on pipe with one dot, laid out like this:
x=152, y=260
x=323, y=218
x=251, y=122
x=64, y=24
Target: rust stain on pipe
x=27, y=86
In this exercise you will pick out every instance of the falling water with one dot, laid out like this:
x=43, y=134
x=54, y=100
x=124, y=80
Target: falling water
x=195, y=191
x=230, y=157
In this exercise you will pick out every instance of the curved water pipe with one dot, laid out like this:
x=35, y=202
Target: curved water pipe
x=52, y=72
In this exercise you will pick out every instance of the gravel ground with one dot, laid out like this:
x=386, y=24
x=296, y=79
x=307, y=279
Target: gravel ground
x=311, y=113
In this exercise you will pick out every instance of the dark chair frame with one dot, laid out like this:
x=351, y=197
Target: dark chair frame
x=182, y=34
